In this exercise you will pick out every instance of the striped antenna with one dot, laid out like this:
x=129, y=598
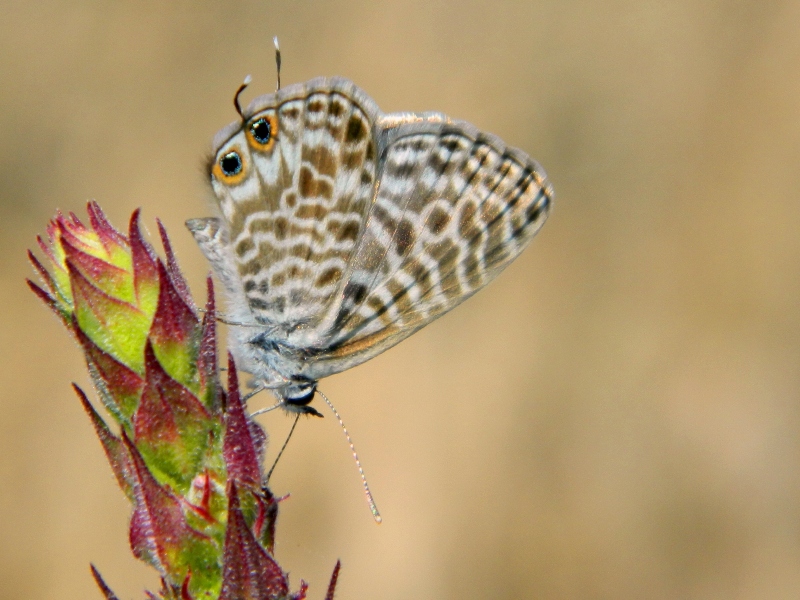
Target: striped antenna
x=372, y=506
x=242, y=87
x=277, y=60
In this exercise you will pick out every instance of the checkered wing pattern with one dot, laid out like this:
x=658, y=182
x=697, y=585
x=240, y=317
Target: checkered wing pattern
x=294, y=211
x=342, y=230
x=453, y=208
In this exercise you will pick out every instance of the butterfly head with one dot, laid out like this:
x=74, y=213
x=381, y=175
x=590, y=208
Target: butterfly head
x=297, y=397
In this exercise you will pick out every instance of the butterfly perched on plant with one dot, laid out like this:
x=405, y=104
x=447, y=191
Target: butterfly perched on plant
x=343, y=230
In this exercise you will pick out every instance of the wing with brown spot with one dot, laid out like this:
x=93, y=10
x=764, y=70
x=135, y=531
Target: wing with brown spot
x=454, y=207
x=295, y=216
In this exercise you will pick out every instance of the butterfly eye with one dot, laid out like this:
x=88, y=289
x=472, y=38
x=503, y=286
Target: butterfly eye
x=261, y=130
x=231, y=164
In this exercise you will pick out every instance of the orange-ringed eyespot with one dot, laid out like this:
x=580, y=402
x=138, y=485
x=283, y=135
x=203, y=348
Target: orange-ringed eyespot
x=261, y=130
x=231, y=164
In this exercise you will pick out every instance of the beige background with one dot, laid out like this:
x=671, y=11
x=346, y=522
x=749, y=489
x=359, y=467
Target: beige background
x=617, y=416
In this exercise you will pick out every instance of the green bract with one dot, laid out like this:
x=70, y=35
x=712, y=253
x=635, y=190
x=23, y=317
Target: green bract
x=187, y=454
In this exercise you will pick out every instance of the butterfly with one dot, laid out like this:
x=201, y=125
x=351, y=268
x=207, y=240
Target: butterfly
x=342, y=230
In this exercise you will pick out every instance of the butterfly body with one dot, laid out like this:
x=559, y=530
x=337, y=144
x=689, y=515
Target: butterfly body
x=343, y=230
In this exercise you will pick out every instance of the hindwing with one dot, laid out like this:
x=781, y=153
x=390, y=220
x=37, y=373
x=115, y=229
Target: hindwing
x=453, y=208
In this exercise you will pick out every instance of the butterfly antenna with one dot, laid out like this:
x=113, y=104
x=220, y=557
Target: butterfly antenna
x=277, y=60
x=372, y=506
x=242, y=87
x=288, y=437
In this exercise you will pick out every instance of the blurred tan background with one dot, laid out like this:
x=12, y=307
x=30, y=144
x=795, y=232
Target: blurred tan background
x=617, y=416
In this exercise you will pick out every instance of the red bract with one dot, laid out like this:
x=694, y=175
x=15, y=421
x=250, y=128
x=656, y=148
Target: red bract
x=187, y=454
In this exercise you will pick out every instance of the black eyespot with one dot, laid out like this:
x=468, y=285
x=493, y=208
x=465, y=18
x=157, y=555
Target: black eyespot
x=261, y=130
x=231, y=164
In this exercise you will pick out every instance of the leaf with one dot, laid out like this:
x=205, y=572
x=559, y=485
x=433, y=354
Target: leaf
x=249, y=573
x=115, y=326
x=171, y=426
x=174, y=270
x=117, y=454
x=211, y=392
x=102, y=584
x=123, y=385
x=160, y=535
x=145, y=271
x=242, y=445
x=175, y=332
x=334, y=579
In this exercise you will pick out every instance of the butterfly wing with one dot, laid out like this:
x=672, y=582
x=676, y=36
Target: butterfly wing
x=294, y=182
x=345, y=230
x=453, y=208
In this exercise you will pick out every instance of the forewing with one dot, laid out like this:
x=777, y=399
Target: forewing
x=453, y=208
x=294, y=214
